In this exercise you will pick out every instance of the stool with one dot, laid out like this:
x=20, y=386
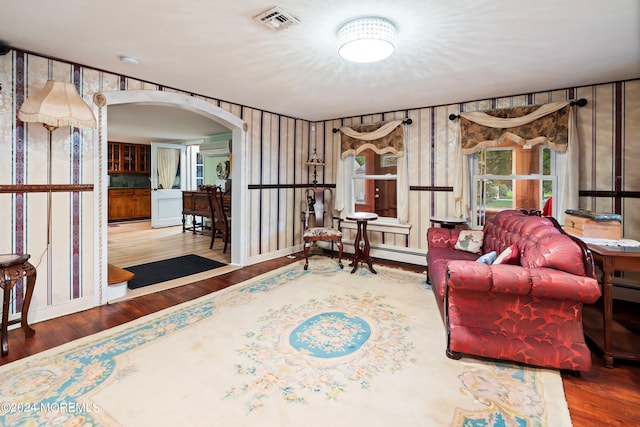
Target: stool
x=14, y=267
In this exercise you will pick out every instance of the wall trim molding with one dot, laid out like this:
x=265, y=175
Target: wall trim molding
x=45, y=188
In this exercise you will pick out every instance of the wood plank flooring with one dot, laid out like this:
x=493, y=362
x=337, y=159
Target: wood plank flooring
x=132, y=243
x=601, y=397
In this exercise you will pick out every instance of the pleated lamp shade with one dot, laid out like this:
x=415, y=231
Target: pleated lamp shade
x=58, y=104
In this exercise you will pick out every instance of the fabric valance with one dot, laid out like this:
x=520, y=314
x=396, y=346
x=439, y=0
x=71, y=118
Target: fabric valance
x=382, y=138
x=528, y=126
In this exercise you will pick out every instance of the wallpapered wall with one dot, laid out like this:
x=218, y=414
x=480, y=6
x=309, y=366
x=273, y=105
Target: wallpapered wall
x=609, y=132
x=276, y=150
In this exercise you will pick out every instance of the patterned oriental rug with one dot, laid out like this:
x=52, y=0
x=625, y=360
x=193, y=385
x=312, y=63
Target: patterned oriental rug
x=292, y=347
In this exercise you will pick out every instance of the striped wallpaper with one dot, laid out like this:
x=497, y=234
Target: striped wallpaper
x=277, y=148
x=609, y=134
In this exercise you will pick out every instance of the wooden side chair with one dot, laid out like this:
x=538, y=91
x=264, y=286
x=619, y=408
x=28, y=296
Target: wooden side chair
x=211, y=194
x=319, y=222
x=221, y=215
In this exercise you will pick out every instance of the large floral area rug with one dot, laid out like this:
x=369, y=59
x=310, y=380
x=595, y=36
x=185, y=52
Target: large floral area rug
x=320, y=347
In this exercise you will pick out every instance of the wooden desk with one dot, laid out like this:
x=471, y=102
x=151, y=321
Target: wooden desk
x=626, y=344
x=362, y=254
x=196, y=204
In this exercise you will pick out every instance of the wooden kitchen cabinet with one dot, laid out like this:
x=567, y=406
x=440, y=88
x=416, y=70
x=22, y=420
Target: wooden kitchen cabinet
x=144, y=159
x=114, y=157
x=143, y=202
x=129, y=203
x=128, y=158
x=121, y=204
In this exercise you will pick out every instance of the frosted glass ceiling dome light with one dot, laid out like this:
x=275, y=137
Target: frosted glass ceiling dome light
x=366, y=40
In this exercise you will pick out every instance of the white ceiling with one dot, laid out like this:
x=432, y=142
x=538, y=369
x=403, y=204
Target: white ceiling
x=448, y=52
x=142, y=124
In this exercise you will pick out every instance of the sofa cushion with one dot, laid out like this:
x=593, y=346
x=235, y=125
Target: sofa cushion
x=511, y=255
x=470, y=241
x=539, y=242
x=488, y=258
x=554, y=251
x=442, y=237
x=437, y=260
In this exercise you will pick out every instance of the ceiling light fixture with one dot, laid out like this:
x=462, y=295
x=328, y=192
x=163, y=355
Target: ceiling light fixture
x=127, y=59
x=368, y=39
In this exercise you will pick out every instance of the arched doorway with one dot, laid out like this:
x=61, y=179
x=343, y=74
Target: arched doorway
x=102, y=100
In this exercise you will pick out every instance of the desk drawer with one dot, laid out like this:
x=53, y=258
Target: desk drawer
x=121, y=192
x=201, y=205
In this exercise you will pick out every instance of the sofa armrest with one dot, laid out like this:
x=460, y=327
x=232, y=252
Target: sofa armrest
x=542, y=283
x=442, y=237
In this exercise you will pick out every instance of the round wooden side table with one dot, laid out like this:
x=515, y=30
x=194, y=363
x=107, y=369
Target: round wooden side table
x=362, y=254
x=448, y=222
x=14, y=267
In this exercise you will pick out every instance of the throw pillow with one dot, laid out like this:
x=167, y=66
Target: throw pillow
x=470, y=241
x=488, y=258
x=511, y=255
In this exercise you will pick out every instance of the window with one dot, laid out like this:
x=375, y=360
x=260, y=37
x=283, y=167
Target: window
x=375, y=180
x=199, y=170
x=195, y=167
x=511, y=177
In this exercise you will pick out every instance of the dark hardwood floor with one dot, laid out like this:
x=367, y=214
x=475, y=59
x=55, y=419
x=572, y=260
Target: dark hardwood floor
x=601, y=397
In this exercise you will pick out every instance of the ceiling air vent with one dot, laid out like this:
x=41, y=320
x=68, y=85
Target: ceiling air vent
x=277, y=19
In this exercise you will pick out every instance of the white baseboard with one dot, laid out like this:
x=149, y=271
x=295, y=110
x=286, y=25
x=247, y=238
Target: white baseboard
x=45, y=313
x=386, y=252
x=273, y=255
x=393, y=253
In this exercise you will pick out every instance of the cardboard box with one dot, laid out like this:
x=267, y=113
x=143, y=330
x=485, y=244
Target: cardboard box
x=588, y=227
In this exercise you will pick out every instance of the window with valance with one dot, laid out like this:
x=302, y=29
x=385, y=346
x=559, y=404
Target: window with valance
x=376, y=142
x=481, y=130
x=552, y=125
x=381, y=138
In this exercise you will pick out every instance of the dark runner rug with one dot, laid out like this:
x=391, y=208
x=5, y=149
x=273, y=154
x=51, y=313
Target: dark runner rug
x=169, y=269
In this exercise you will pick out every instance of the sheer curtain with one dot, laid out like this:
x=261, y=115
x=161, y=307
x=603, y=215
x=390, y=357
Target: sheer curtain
x=553, y=125
x=568, y=173
x=381, y=138
x=168, y=161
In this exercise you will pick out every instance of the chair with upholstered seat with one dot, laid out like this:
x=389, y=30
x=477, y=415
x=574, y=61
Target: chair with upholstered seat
x=319, y=221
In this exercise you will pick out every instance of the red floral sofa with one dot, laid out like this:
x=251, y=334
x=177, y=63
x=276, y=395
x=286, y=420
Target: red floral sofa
x=528, y=310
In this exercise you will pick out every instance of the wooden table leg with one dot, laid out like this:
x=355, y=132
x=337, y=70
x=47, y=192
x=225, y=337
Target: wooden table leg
x=356, y=249
x=31, y=284
x=11, y=276
x=5, y=317
x=362, y=254
x=367, y=248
